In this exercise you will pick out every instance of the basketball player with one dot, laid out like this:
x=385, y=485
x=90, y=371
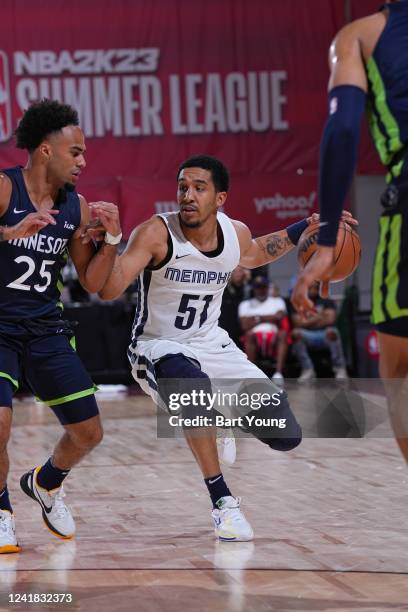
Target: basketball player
x=42, y=219
x=368, y=62
x=183, y=262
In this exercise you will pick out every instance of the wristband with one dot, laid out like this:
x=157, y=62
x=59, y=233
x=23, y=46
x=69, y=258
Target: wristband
x=112, y=240
x=296, y=230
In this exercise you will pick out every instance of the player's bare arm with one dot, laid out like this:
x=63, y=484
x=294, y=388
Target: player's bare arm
x=256, y=252
x=147, y=245
x=346, y=61
x=348, y=75
x=30, y=225
x=94, y=266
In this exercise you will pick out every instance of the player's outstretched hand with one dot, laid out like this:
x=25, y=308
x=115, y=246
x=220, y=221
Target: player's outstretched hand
x=31, y=224
x=320, y=266
x=346, y=216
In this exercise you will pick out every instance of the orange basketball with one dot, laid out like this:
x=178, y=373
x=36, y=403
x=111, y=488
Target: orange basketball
x=347, y=252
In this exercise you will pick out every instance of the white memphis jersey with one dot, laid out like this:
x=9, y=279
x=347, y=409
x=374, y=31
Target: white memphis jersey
x=180, y=299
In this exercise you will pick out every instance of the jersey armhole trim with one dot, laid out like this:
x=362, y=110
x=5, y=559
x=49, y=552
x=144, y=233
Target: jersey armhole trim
x=13, y=187
x=169, y=254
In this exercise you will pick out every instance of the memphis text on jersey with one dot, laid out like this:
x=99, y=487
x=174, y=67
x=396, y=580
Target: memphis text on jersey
x=200, y=277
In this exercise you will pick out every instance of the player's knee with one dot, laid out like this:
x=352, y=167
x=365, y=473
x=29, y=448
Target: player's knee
x=283, y=444
x=87, y=434
x=177, y=366
x=274, y=424
x=4, y=436
x=95, y=437
x=331, y=334
x=179, y=377
x=6, y=393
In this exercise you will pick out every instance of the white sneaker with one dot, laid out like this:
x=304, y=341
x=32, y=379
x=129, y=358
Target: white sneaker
x=229, y=522
x=56, y=515
x=278, y=377
x=340, y=373
x=8, y=540
x=227, y=450
x=306, y=375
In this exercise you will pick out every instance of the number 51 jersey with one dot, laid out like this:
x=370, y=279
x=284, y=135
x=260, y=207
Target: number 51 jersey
x=30, y=268
x=180, y=299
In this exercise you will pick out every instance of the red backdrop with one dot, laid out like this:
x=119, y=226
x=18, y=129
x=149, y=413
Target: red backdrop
x=155, y=81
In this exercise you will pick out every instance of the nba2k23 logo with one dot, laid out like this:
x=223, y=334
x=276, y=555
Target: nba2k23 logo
x=5, y=102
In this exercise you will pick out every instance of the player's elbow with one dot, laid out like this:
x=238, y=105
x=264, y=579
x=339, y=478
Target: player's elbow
x=342, y=133
x=107, y=293
x=251, y=263
x=90, y=285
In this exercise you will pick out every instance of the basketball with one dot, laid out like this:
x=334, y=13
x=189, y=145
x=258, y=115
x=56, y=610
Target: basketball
x=347, y=251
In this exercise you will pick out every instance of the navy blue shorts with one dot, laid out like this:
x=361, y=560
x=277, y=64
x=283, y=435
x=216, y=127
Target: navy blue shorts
x=53, y=371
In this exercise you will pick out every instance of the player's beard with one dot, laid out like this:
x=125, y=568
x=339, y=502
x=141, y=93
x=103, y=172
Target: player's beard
x=69, y=187
x=192, y=224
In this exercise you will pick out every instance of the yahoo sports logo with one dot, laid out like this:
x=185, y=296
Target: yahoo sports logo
x=5, y=99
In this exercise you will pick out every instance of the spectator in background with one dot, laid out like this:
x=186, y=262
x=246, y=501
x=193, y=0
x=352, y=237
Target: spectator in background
x=237, y=290
x=274, y=290
x=316, y=331
x=260, y=319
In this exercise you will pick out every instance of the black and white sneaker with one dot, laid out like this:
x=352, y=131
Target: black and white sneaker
x=56, y=515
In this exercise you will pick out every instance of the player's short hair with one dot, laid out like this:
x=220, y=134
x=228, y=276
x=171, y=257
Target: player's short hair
x=219, y=173
x=42, y=119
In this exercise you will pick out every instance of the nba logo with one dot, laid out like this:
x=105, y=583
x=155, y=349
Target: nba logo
x=5, y=102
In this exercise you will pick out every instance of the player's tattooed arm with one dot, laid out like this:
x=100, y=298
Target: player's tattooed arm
x=275, y=245
x=257, y=252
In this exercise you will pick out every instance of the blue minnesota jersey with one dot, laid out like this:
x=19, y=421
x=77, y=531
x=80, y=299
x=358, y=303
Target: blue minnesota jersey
x=387, y=72
x=30, y=268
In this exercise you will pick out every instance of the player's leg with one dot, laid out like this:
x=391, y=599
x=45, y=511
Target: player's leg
x=271, y=421
x=5, y=428
x=9, y=374
x=79, y=437
x=394, y=372
x=57, y=376
x=230, y=523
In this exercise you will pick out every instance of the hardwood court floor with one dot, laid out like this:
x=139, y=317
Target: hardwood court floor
x=330, y=522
